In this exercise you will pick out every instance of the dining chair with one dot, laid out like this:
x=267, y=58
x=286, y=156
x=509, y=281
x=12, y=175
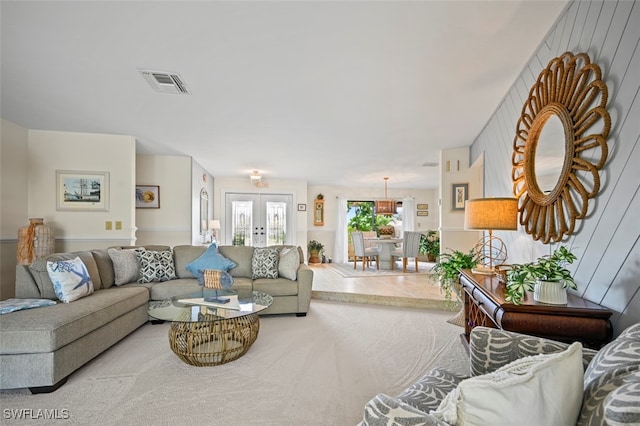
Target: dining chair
x=365, y=254
x=410, y=248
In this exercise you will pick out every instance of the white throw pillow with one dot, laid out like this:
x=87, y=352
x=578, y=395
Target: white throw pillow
x=537, y=390
x=289, y=263
x=70, y=279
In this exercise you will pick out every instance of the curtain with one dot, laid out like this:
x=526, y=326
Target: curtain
x=408, y=214
x=340, y=248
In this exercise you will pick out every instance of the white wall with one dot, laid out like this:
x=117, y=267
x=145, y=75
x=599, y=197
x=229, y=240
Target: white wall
x=455, y=169
x=607, y=241
x=13, y=200
x=170, y=224
x=49, y=151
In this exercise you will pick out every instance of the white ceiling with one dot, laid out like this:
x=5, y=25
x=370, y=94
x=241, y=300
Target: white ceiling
x=336, y=93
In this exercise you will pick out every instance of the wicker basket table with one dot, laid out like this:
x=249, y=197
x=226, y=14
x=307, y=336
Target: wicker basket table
x=206, y=333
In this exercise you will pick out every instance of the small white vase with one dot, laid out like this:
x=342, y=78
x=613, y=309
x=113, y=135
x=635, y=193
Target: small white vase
x=551, y=292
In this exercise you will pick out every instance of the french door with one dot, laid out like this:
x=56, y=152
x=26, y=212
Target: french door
x=258, y=220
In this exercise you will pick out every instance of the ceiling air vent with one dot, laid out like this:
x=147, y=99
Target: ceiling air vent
x=165, y=82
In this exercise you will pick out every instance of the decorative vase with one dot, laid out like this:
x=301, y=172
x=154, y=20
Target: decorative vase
x=34, y=241
x=551, y=292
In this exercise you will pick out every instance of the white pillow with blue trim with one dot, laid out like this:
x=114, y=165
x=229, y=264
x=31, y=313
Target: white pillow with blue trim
x=70, y=278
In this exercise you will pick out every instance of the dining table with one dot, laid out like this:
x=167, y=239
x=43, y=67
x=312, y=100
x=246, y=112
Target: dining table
x=385, y=247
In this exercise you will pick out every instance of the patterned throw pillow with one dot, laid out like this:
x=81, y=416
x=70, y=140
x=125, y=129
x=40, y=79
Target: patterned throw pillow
x=70, y=278
x=126, y=267
x=210, y=259
x=155, y=265
x=264, y=263
x=288, y=263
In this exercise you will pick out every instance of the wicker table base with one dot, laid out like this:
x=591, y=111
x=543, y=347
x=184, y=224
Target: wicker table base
x=214, y=340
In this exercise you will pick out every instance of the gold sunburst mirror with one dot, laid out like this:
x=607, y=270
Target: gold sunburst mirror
x=560, y=146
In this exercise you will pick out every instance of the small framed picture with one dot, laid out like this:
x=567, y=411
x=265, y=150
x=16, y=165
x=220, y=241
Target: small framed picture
x=82, y=191
x=459, y=195
x=302, y=207
x=423, y=213
x=423, y=206
x=147, y=197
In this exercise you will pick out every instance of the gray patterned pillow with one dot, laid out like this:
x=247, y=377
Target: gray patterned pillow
x=611, y=370
x=427, y=393
x=155, y=265
x=126, y=267
x=264, y=263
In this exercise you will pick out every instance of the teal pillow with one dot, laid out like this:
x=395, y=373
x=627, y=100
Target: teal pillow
x=210, y=259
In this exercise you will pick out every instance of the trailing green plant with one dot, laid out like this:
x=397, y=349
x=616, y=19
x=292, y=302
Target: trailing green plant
x=430, y=244
x=523, y=277
x=447, y=270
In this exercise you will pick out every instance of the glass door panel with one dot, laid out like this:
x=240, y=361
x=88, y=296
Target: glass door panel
x=258, y=219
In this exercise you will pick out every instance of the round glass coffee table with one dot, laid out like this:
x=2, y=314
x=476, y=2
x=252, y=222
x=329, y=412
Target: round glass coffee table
x=211, y=330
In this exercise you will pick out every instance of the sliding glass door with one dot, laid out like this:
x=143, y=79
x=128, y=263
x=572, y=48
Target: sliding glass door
x=258, y=219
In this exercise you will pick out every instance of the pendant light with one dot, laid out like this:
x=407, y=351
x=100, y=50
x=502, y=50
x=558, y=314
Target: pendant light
x=385, y=207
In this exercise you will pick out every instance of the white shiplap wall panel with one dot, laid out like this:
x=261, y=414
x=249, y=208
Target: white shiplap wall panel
x=606, y=242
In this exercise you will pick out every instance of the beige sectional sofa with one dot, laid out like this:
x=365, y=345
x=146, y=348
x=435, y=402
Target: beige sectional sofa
x=41, y=347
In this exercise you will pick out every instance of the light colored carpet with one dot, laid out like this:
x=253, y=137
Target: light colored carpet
x=346, y=270
x=316, y=370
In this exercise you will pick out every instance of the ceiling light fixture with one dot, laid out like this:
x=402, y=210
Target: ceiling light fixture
x=255, y=176
x=385, y=207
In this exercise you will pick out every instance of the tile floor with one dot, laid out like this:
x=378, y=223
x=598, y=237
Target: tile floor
x=416, y=291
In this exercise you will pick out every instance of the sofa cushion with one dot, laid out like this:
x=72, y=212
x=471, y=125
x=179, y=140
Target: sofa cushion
x=242, y=256
x=551, y=385
x=48, y=329
x=210, y=259
x=126, y=267
x=288, y=263
x=184, y=255
x=609, y=370
x=382, y=410
x=174, y=288
x=264, y=263
x=38, y=270
x=275, y=286
x=70, y=278
x=155, y=265
x=105, y=267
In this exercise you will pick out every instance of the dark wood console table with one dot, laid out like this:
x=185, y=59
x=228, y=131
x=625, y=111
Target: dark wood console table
x=578, y=320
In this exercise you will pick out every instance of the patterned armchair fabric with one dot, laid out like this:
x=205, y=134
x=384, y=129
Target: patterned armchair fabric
x=611, y=380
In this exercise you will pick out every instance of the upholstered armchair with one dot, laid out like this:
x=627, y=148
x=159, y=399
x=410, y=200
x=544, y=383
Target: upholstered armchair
x=524, y=380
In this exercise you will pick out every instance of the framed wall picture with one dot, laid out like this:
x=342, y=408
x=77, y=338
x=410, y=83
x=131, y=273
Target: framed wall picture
x=82, y=191
x=422, y=213
x=302, y=207
x=459, y=194
x=423, y=207
x=147, y=197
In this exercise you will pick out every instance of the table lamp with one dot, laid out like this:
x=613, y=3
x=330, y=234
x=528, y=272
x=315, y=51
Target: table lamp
x=490, y=214
x=214, y=225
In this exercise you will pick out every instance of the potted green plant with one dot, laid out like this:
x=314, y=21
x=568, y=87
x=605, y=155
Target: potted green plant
x=430, y=245
x=447, y=270
x=315, y=249
x=547, y=277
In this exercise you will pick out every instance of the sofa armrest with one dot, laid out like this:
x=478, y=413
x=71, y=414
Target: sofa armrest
x=305, y=283
x=492, y=348
x=383, y=410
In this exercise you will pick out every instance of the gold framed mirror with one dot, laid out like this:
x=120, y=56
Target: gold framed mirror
x=560, y=146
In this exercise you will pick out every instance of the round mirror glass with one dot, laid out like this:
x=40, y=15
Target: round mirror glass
x=549, y=154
